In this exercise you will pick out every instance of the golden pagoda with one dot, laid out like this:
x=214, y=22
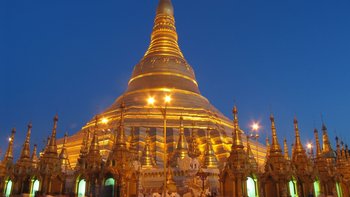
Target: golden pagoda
x=162, y=72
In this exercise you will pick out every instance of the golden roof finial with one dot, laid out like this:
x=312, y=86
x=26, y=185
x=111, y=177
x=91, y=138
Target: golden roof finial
x=286, y=151
x=63, y=154
x=268, y=147
x=9, y=151
x=65, y=164
x=210, y=160
x=25, y=153
x=121, y=141
x=193, y=148
x=182, y=147
x=52, y=148
x=94, y=147
x=318, y=145
x=164, y=36
x=326, y=143
x=298, y=147
x=236, y=136
x=275, y=147
x=34, y=157
x=165, y=7
x=147, y=160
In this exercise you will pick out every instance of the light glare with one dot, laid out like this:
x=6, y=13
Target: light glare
x=104, y=120
x=255, y=126
x=167, y=99
x=151, y=100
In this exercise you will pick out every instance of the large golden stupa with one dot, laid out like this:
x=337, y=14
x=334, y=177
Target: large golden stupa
x=163, y=71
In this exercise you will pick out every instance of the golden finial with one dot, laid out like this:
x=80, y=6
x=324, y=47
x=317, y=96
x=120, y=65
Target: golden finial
x=94, y=147
x=286, y=151
x=298, y=147
x=25, y=153
x=147, y=160
x=164, y=36
x=210, y=160
x=182, y=147
x=327, y=149
x=34, y=157
x=52, y=148
x=275, y=147
x=63, y=154
x=268, y=147
x=121, y=133
x=318, y=145
x=193, y=145
x=236, y=136
x=165, y=7
x=9, y=151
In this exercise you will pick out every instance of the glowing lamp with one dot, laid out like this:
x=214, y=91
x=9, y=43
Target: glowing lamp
x=151, y=101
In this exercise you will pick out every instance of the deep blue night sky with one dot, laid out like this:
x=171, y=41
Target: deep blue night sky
x=75, y=57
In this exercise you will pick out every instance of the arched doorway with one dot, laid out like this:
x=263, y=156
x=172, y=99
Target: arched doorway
x=292, y=185
x=317, y=187
x=109, y=187
x=81, y=188
x=252, y=187
x=8, y=188
x=35, y=187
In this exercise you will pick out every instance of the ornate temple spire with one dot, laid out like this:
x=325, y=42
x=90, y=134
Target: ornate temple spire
x=338, y=147
x=298, y=147
x=9, y=152
x=94, y=146
x=343, y=153
x=193, y=148
x=327, y=148
x=318, y=145
x=347, y=153
x=164, y=36
x=286, y=151
x=275, y=146
x=210, y=160
x=84, y=145
x=121, y=139
x=268, y=146
x=34, y=157
x=25, y=153
x=182, y=147
x=236, y=135
x=147, y=160
x=52, y=148
x=250, y=154
x=65, y=164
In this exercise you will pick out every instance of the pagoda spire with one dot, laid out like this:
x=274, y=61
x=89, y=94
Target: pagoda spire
x=326, y=143
x=193, y=149
x=318, y=145
x=286, y=151
x=147, y=160
x=52, y=147
x=182, y=147
x=268, y=146
x=237, y=138
x=25, y=153
x=121, y=139
x=94, y=146
x=338, y=151
x=34, y=157
x=298, y=147
x=9, y=152
x=275, y=146
x=164, y=36
x=210, y=160
x=65, y=164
